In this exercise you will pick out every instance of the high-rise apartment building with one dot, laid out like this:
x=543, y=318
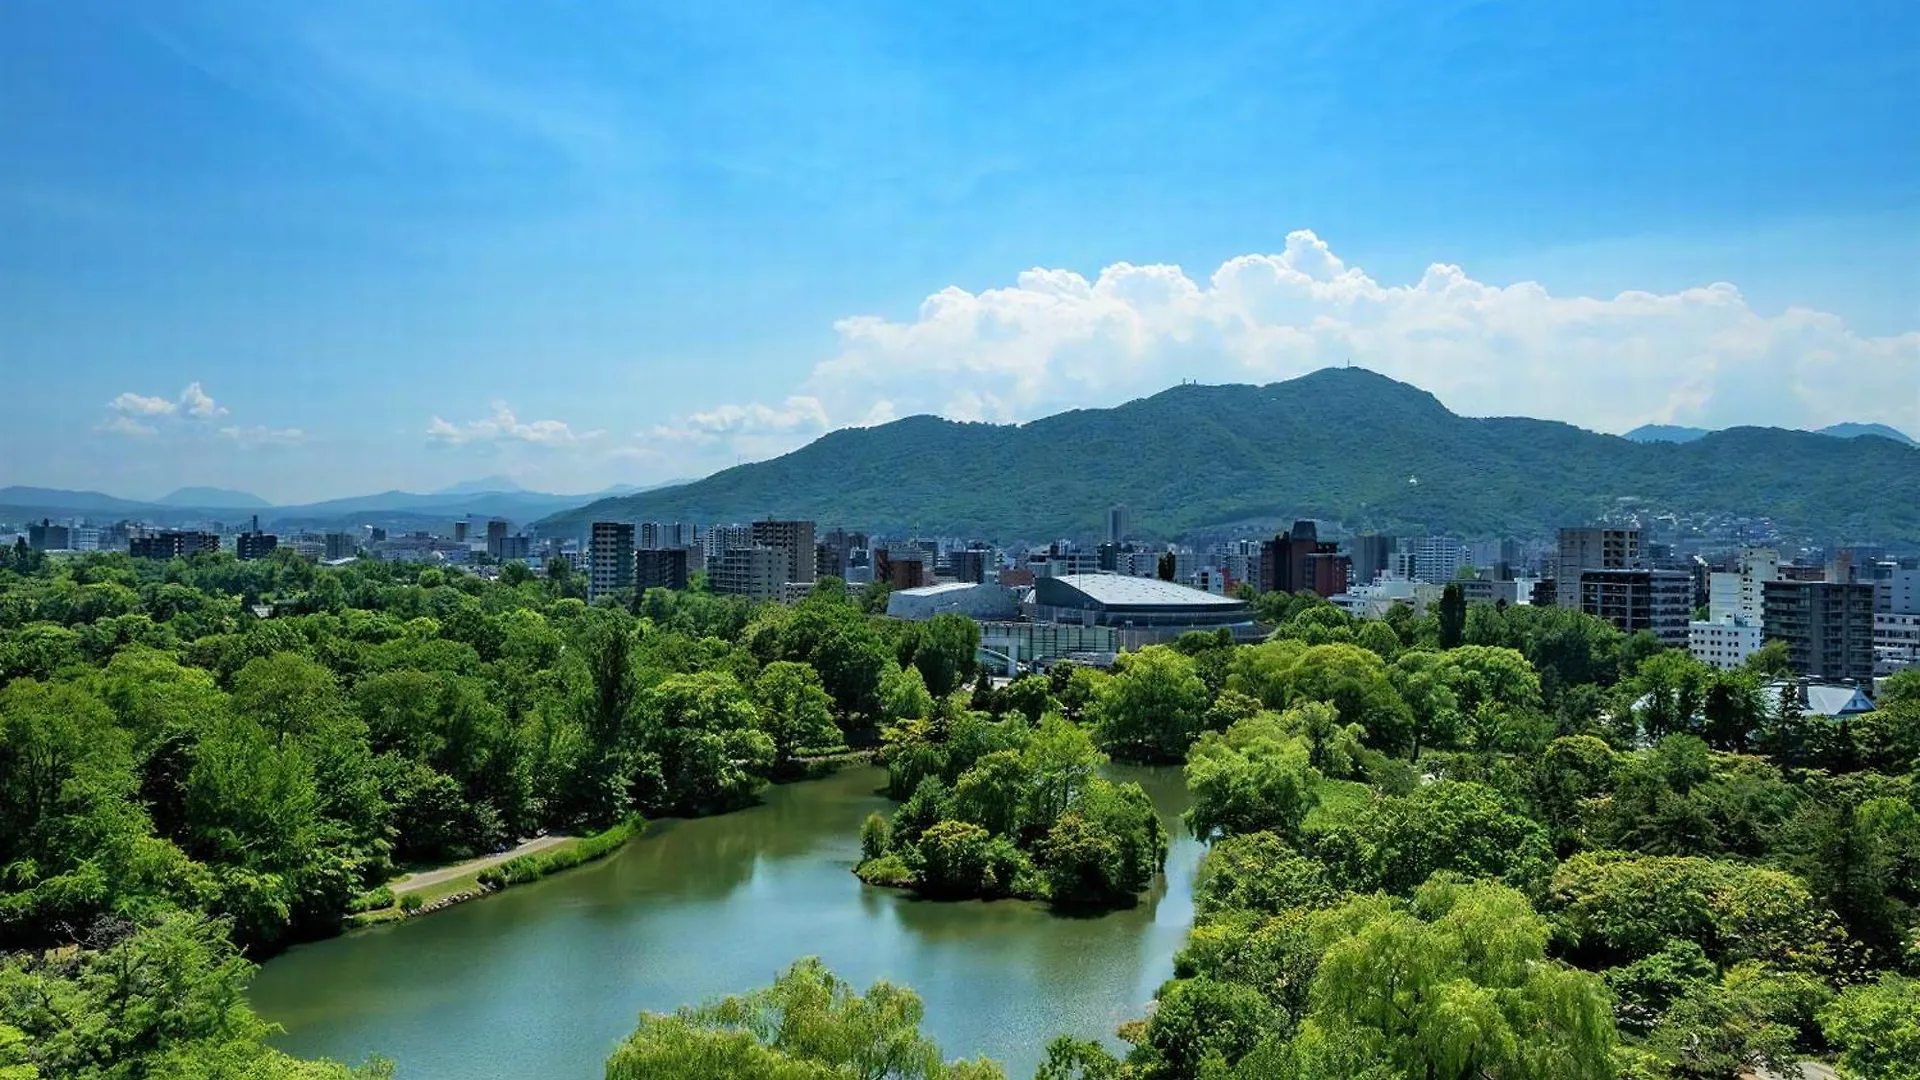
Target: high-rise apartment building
x=610, y=559
x=46, y=536
x=757, y=572
x=793, y=539
x=1595, y=549
x=1736, y=593
x=660, y=568
x=1724, y=644
x=1827, y=625
x=1119, y=524
x=1436, y=559
x=340, y=545
x=1660, y=601
x=460, y=530
x=172, y=544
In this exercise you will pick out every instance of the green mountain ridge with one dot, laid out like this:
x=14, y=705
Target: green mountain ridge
x=1344, y=445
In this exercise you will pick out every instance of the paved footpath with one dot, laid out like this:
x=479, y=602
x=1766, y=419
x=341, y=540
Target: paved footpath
x=429, y=878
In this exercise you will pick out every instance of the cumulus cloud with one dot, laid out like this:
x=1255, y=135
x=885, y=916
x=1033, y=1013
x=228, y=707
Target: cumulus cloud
x=139, y=415
x=1055, y=339
x=503, y=427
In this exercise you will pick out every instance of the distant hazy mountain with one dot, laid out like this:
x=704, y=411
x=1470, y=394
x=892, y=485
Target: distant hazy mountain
x=213, y=498
x=1854, y=431
x=1675, y=433
x=1343, y=445
x=73, y=502
x=483, y=486
x=1665, y=433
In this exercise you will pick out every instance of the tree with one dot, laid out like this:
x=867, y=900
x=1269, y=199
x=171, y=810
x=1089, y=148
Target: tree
x=946, y=652
x=1396, y=842
x=1455, y=986
x=793, y=710
x=809, y=1025
x=1876, y=1027
x=1152, y=708
x=705, y=736
x=1453, y=616
x=1255, y=777
x=1258, y=872
x=1164, y=566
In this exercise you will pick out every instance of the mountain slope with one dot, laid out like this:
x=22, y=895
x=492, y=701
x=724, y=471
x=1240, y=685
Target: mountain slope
x=213, y=498
x=1665, y=433
x=1341, y=444
x=1855, y=431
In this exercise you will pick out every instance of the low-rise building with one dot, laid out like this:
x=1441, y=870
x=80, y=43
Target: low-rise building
x=1724, y=644
x=172, y=544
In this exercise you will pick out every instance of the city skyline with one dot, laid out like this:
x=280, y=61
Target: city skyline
x=318, y=254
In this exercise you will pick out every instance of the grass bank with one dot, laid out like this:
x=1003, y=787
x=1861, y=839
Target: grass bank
x=384, y=905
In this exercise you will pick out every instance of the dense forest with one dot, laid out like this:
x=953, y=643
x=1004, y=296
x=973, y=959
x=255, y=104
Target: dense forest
x=203, y=761
x=1493, y=842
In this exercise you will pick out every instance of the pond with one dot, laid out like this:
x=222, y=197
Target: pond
x=545, y=979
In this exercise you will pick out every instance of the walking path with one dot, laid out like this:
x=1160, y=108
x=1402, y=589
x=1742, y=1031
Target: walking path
x=429, y=878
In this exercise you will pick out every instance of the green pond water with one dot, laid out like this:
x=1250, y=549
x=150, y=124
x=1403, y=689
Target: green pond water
x=545, y=979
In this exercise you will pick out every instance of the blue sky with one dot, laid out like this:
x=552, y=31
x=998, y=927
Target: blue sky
x=404, y=244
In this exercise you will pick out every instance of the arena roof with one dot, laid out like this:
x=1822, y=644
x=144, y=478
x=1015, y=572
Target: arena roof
x=1123, y=591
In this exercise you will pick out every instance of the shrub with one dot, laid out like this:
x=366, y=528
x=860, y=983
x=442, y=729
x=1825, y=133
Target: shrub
x=411, y=902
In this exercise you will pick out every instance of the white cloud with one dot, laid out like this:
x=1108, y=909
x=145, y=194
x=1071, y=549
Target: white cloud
x=799, y=414
x=503, y=427
x=1055, y=340
x=132, y=404
x=195, y=403
x=138, y=415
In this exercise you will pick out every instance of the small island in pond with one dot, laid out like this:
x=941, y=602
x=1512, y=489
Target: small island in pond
x=1009, y=808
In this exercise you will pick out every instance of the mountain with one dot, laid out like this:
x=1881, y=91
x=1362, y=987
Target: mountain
x=1855, y=431
x=212, y=498
x=1344, y=445
x=50, y=500
x=1674, y=433
x=484, y=486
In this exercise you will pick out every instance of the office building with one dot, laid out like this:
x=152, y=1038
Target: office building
x=1827, y=625
x=1370, y=556
x=1724, y=644
x=976, y=565
x=1299, y=561
x=610, y=558
x=1896, y=590
x=1586, y=549
x=1119, y=524
x=756, y=572
x=1659, y=601
x=172, y=544
x=907, y=570
x=496, y=537
x=660, y=568
x=46, y=536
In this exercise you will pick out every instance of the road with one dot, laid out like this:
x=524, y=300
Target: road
x=430, y=878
